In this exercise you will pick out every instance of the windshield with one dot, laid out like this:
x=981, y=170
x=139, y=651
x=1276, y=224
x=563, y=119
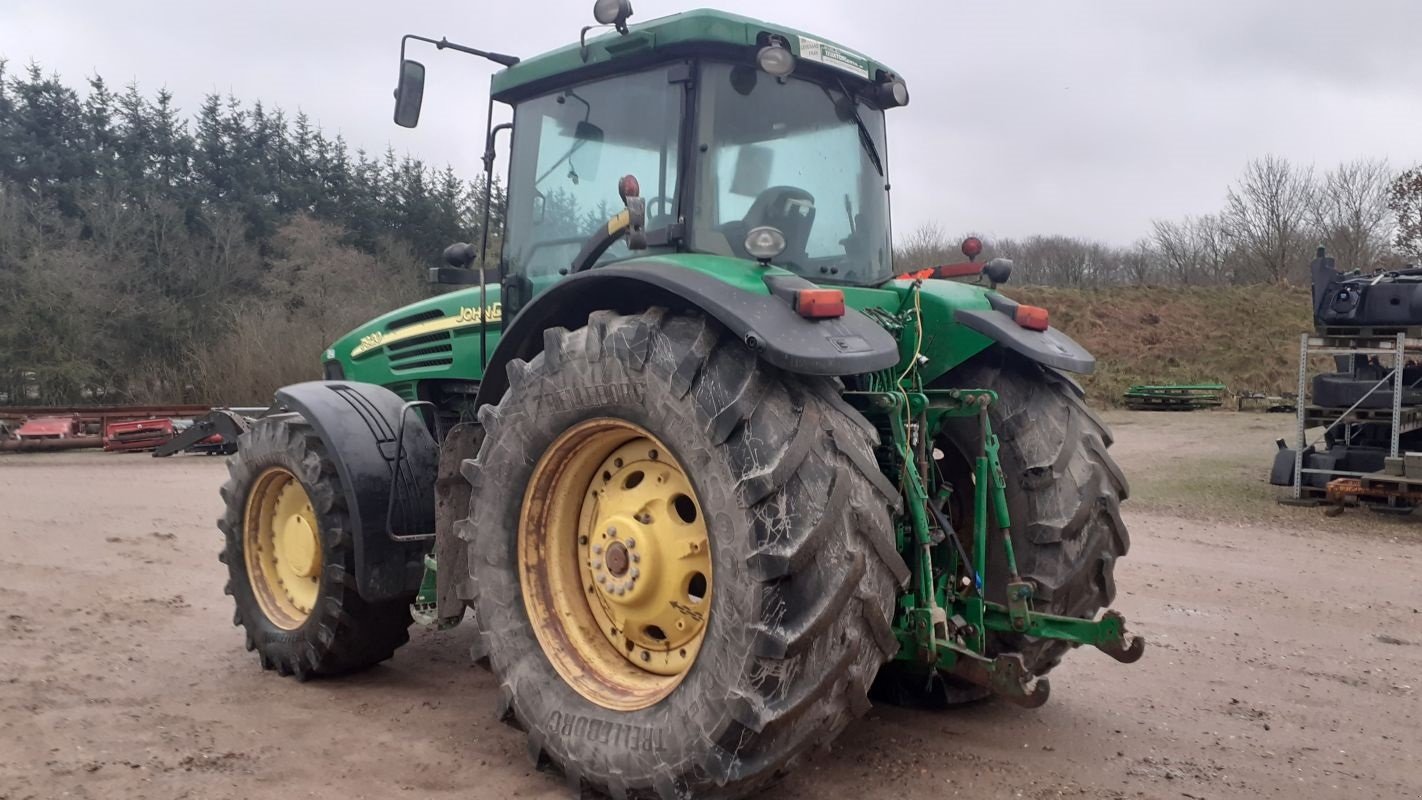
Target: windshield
x=802, y=157
x=569, y=149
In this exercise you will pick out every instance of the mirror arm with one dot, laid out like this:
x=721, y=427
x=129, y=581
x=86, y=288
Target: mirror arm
x=445, y=44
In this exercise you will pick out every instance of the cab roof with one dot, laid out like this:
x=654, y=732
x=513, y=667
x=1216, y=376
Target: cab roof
x=695, y=32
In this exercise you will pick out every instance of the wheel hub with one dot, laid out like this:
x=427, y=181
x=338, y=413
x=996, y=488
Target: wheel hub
x=297, y=545
x=617, y=559
x=615, y=563
x=645, y=553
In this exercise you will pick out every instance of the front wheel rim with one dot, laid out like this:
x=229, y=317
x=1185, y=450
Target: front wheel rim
x=281, y=542
x=615, y=563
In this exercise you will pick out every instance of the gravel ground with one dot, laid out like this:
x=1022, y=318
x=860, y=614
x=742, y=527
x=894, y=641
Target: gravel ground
x=1283, y=660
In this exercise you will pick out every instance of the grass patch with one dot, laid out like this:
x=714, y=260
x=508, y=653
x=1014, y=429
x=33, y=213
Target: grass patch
x=1245, y=337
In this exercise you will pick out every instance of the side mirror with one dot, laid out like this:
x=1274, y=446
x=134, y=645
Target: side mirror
x=458, y=256
x=409, y=94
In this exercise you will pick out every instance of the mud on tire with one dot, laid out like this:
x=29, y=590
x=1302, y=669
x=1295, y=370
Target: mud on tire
x=342, y=632
x=801, y=541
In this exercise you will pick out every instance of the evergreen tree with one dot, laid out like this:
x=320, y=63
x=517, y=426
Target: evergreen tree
x=132, y=236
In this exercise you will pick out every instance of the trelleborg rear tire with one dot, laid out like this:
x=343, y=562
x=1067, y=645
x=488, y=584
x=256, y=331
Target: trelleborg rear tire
x=783, y=615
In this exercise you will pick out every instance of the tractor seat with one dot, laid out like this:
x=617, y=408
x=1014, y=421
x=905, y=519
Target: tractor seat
x=789, y=209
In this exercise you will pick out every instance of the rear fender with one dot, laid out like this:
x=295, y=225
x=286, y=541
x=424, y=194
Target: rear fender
x=849, y=345
x=359, y=424
x=1050, y=347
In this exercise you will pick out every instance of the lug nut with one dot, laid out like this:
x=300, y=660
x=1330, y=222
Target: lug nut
x=635, y=572
x=631, y=543
x=597, y=549
x=636, y=557
x=611, y=530
x=602, y=579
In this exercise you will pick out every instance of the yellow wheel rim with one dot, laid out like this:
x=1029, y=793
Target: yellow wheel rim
x=615, y=564
x=281, y=538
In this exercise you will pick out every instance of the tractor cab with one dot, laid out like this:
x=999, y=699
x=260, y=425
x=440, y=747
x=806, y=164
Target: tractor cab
x=727, y=127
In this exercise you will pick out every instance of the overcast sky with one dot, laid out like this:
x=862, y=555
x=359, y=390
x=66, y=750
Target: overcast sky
x=1029, y=116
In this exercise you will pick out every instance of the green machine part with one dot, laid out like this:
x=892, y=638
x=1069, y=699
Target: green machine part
x=439, y=338
x=945, y=618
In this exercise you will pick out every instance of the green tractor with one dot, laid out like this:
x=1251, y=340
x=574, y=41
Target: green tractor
x=700, y=470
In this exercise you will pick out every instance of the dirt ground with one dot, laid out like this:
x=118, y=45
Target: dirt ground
x=1284, y=659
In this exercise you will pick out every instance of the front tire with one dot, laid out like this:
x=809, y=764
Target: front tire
x=802, y=567
x=291, y=567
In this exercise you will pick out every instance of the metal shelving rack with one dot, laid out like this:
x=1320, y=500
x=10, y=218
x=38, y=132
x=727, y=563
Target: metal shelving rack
x=1362, y=342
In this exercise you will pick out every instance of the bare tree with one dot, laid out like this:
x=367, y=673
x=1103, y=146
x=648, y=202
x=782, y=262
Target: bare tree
x=1217, y=253
x=1266, y=217
x=925, y=246
x=1178, y=250
x=1405, y=201
x=1139, y=263
x=1350, y=212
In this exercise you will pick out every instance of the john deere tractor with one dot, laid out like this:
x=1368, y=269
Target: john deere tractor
x=698, y=469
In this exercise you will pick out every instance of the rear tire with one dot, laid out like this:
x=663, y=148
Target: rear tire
x=800, y=537
x=336, y=632
x=1064, y=494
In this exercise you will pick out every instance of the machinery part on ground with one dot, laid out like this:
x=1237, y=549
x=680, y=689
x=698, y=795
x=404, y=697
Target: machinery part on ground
x=138, y=434
x=97, y=416
x=216, y=433
x=1380, y=492
x=50, y=428
x=1174, y=397
x=49, y=445
x=1285, y=403
x=797, y=571
x=291, y=560
x=1064, y=492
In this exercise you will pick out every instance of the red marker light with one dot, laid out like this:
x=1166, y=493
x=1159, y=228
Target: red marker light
x=627, y=186
x=1033, y=318
x=972, y=247
x=819, y=303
